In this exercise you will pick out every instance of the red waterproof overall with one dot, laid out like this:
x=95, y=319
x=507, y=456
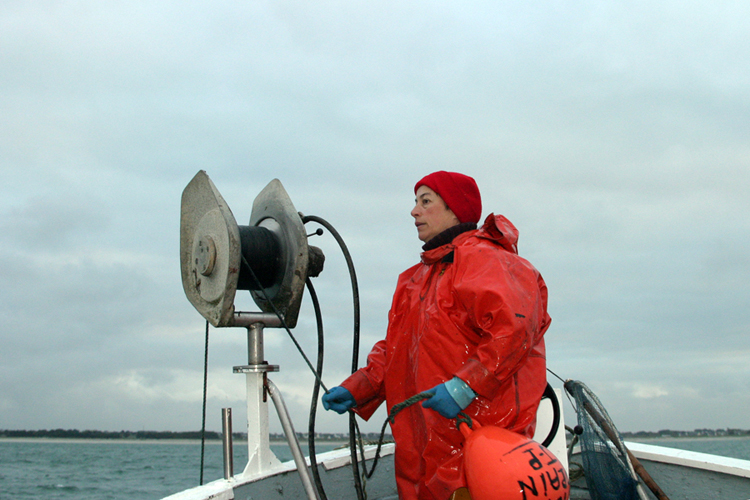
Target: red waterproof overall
x=474, y=309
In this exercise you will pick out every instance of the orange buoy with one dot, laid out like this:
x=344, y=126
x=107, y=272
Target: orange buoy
x=503, y=465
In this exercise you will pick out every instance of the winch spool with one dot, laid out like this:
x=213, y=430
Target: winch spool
x=269, y=257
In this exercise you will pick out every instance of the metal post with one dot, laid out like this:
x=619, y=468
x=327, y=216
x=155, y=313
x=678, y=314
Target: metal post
x=226, y=440
x=260, y=456
x=291, y=437
x=255, y=354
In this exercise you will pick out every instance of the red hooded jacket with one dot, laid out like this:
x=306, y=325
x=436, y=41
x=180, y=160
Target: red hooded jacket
x=473, y=309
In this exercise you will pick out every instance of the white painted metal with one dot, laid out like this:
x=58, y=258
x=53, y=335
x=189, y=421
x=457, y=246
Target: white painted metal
x=260, y=456
x=332, y=462
x=691, y=459
x=544, y=418
x=299, y=459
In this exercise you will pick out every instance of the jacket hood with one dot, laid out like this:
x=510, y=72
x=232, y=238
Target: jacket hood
x=496, y=228
x=500, y=230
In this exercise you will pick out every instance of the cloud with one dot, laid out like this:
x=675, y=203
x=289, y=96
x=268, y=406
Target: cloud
x=613, y=137
x=648, y=391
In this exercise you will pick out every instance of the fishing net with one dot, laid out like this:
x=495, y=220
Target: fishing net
x=607, y=467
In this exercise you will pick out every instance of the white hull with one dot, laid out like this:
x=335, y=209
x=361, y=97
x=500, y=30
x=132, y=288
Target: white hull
x=683, y=475
x=283, y=482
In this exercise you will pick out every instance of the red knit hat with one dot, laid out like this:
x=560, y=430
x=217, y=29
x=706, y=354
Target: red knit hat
x=459, y=191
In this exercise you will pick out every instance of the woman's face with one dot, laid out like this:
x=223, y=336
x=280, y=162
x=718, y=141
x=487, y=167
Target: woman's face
x=431, y=215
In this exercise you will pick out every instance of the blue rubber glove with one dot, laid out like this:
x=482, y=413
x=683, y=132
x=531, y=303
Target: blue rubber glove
x=450, y=398
x=338, y=399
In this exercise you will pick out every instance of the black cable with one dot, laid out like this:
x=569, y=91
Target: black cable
x=572, y=403
x=549, y=393
x=353, y=430
x=316, y=391
x=556, y=375
x=353, y=278
x=355, y=344
x=355, y=349
x=317, y=372
x=205, y=386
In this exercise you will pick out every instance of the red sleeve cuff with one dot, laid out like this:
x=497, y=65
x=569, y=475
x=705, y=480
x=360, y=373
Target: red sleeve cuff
x=367, y=397
x=479, y=378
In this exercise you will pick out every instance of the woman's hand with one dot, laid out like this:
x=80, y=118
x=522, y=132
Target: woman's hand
x=450, y=398
x=339, y=400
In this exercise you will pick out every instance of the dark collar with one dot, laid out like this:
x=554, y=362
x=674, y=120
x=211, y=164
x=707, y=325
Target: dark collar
x=448, y=235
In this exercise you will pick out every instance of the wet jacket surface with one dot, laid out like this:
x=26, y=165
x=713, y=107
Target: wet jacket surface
x=474, y=309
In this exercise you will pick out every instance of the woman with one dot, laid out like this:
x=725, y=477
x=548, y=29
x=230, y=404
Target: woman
x=467, y=325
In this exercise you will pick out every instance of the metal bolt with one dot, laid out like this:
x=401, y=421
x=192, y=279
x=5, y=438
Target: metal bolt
x=205, y=255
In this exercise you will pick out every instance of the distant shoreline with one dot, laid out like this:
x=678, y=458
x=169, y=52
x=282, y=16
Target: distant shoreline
x=106, y=440
x=150, y=441
x=682, y=438
x=166, y=436
x=302, y=441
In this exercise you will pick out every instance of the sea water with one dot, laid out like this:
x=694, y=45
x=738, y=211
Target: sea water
x=114, y=469
x=149, y=470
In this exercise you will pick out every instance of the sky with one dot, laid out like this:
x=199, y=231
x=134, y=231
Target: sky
x=613, y=134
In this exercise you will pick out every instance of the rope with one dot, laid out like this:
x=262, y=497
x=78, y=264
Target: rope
x=395, y=410
x=463, y=418
x=406, y=403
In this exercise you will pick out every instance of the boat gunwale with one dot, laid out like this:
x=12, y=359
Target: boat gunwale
x=692, y=459
x=223, y=489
